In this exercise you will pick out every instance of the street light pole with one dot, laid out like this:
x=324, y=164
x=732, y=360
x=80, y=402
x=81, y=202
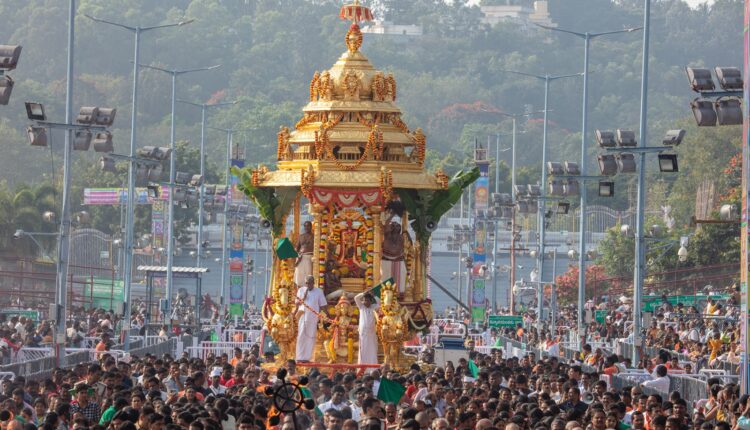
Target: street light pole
x=639, y=272
x=132, y=165
x=587, y=36
x=172, y=171
x=541, y=210
x=64, y=242
x=199, y=234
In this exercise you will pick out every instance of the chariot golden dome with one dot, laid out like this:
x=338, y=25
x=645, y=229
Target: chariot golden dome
x=351, y=133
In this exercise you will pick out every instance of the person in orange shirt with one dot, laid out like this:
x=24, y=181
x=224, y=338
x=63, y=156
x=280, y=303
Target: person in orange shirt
x=103, y=345
x=237, y=357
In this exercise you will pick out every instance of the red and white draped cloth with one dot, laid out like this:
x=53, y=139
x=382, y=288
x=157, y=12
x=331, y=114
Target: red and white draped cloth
x=347, y=198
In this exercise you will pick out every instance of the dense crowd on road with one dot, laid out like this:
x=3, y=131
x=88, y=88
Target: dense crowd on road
x=484, y=392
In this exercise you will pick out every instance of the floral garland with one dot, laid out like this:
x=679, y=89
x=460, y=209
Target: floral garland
x=386, y=183
x=396, y=121
x=420, y=142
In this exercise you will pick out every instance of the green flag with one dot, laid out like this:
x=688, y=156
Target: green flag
x=214, y=336
x=307, y=394
x=390, y=391
x=473, y=369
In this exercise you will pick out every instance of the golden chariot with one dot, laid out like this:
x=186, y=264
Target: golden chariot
x=347, y=160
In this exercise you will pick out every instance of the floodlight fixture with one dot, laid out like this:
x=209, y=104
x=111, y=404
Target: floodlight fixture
x=6, y=88
x=556, y=187
x=655, y=230
x=563, y=208
x=9, y=55
x=606, y=189
x=37, y=135
x=107, y=164
x=182, y=178
x=153, y=191
x=103, y=142
x=572, y=254
x=82, y=140
x=105, y=117
x=154, y=172
x=35, y=111
x=668, y=163
x=571, y=168
x=535, y=190
x=704, y=113
x=221, y=190
x=179, y=194
x=682, y=254
x=626, y=162
x=209, y=190
x=730, y=78
x=145, y=152
x=555, y=168
x=607, y=164
x=729, y=111
x=674, y=137
x=191, y=197
x=700, y=79
x=502, y=199
x=196, y=180
x=87, y=115
x=48, y=216
x=626, y=138
x=572, y=188
x=605, y=139
x=521, y=190
x=728, y=212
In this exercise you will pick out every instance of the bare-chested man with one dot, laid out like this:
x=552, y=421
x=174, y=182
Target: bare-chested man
x=392, y=263
x=304, y=248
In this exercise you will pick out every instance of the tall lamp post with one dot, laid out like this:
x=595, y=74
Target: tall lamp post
x=204, y=107
x=172, y=169
x=547, y=79
x=587, y=36
x=129, y=212
x=640, y=269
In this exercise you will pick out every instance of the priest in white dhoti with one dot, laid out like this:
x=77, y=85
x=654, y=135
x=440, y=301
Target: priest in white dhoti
x=392, y=262
x=305, y=245
x=368, y=337
x=314, y=300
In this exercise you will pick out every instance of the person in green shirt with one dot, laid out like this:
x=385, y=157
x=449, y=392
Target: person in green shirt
x=118, y=405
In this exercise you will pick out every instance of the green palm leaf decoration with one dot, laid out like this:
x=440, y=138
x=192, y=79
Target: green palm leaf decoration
x=273, y=204
x=428, y=206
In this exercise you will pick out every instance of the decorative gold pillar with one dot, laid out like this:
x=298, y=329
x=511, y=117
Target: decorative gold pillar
x=317, y=213
x=377, y=246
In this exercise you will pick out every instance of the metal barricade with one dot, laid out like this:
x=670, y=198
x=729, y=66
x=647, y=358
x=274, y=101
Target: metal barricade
x=28, y=354
x=216, y=348
x=241, y=335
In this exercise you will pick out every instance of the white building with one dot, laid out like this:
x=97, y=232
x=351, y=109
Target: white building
x=538, y=13
x=387, y=28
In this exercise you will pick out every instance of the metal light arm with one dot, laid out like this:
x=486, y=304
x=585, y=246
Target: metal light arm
x=642, y=149
x=141, y=29
x=74, y=127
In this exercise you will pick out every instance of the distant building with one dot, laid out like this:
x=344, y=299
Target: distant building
x=387, y=28
x=537, y=13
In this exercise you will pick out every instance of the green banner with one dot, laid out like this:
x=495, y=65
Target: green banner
x=236, y=309
x=504, y=321
x=600, y=315
x=9, y=313
x=650, y=303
